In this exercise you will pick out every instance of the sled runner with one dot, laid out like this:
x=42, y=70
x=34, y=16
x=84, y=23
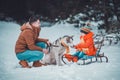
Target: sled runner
x=97, y=57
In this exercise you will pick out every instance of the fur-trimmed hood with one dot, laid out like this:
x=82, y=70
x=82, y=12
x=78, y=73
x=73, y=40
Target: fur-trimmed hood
x=25, y=26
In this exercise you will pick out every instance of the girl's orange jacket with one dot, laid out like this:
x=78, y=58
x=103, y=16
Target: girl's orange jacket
x=87, y=44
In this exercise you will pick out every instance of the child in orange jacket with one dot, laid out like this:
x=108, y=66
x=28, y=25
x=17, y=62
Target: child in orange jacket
x=85, y=47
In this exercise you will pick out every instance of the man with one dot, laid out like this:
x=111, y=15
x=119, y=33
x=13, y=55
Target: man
x=30, y=48
x=85, y=47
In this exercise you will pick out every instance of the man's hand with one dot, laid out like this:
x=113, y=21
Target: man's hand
x=45, y=51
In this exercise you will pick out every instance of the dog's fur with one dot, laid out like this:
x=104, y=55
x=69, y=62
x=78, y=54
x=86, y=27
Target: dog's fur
x=57, y=50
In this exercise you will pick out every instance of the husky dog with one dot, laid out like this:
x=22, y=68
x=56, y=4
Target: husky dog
x=56, y=50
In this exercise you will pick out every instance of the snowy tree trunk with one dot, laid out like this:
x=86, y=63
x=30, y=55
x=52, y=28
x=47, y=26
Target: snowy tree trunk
x=116, y=10
x=106, y=16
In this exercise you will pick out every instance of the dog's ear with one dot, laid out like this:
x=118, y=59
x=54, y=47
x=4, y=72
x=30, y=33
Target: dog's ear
x=72, y=37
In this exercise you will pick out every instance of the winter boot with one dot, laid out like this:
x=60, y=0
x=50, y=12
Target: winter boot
x=24, y=64
x=75, y=59
x=68, y=57
x=37, y=64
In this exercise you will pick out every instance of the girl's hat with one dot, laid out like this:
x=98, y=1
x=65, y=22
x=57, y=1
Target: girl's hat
x=85, y=30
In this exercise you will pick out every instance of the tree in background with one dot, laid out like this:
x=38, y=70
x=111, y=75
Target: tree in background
x=95, y=10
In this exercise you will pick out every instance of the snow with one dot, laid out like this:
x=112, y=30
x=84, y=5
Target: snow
x=11, y=70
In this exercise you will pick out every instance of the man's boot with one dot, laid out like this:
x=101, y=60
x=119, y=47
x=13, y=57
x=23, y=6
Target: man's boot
x=24, y=64
x=37, y=64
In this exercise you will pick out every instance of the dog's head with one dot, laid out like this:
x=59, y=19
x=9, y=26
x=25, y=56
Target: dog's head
x=68, y=40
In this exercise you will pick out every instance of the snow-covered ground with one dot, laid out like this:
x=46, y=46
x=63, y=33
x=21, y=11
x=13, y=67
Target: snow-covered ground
x=10, y=69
